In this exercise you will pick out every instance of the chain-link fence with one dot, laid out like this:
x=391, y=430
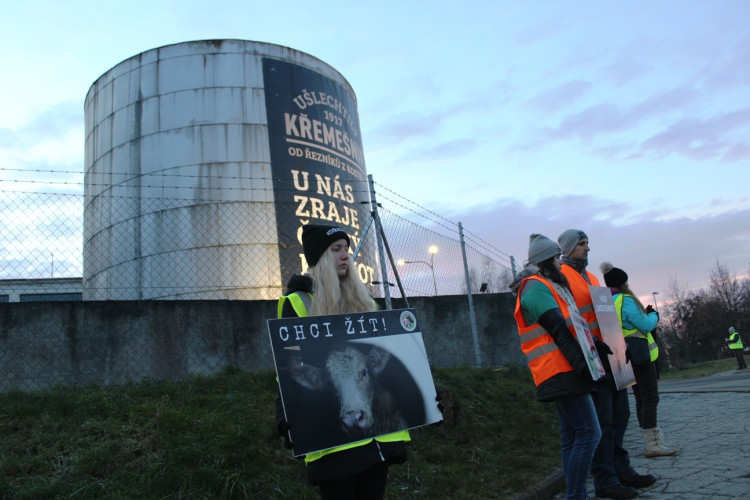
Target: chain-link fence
x=150, y=246
x=198, y=246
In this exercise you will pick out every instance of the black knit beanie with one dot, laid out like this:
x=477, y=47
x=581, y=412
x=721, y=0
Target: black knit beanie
x=316, y=238
x=614, y=277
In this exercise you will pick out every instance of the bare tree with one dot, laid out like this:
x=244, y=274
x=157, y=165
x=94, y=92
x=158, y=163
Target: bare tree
x=672, y=325
x=691, y=333
x=728, y=290
x=695, y=323
x=675, y=289
x=496, y=277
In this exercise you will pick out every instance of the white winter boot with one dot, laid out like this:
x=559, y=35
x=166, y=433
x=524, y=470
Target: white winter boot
x=661, y=441
x=655, y=446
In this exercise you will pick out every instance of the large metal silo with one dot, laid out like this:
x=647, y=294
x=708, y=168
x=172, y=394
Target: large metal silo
x=204, y=159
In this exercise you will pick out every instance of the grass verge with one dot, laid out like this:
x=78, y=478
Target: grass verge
x=700, y=369
x=214, y=437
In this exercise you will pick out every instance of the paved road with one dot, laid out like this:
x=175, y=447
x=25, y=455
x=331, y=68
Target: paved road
x=709, y=421
x=732, y=381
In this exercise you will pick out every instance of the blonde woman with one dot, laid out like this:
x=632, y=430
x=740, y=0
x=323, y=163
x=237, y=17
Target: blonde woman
x=357, y=470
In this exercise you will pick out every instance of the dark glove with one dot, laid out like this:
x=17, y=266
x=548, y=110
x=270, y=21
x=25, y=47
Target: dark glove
x=602, y=348
x=649, y=309
x=282, y=426
x=554, y=323
x=440, y=406
x=439, y=398
x=283, y=430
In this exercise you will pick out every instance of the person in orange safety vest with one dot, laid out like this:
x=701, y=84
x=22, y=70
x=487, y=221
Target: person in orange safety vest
x=544, y=308
x=614, y=477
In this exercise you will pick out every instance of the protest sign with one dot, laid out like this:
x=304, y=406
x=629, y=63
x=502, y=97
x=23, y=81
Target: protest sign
x=348, y=377
x=609, y=325
x=586, y=341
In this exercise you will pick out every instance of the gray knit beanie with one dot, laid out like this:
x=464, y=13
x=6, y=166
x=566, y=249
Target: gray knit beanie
x=541, y=248
x=569, y=239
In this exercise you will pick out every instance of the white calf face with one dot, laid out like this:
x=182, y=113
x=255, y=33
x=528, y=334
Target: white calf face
x=352, y=375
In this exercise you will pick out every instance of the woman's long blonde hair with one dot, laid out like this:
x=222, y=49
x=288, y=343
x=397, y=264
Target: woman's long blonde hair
x=334, y=295
x=606, y=267
x=624, y=288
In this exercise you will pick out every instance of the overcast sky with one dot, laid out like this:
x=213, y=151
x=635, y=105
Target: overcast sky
x=629, y=120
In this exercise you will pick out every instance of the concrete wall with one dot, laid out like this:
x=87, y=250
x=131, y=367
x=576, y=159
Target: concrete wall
x=44, y=344
x=446, y=327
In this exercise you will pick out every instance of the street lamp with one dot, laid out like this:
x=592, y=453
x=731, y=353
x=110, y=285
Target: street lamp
x=433, y=249
x=656, y=306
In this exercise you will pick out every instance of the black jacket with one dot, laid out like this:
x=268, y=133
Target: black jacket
x=563, y=384
x=296, y=283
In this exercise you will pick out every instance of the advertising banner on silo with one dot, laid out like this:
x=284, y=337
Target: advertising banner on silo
x=317, y=162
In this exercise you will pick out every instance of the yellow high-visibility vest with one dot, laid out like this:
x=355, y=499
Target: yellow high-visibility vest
x=735, y=342
x=652, y=347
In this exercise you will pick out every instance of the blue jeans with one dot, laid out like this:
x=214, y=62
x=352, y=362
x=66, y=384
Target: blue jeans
x=611, y=461
x=579, y=435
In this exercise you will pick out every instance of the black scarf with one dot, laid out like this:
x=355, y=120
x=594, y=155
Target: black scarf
x=578, y=265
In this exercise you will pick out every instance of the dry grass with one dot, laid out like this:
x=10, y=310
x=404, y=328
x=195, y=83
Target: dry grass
x=214, y=437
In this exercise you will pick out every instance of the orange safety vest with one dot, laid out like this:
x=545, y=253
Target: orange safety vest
x=582, y=295
x=542, y=354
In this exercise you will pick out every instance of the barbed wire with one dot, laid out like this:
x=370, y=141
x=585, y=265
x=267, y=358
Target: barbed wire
x=195, y=195
x=479, y=241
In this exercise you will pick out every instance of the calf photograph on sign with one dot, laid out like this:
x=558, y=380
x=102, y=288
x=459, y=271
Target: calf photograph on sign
x=348, y=377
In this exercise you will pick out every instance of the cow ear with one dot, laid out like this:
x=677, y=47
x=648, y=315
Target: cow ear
x=309, y=376
x=377, y=359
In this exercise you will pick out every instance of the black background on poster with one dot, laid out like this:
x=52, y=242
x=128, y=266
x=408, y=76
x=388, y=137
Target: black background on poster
x=314, y=415
x=295, y=90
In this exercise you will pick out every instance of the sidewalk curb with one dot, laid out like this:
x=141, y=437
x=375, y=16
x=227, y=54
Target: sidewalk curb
x=545, y=489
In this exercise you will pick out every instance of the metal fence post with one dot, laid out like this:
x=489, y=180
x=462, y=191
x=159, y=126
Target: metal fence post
x=474, y=334
x=379, y=237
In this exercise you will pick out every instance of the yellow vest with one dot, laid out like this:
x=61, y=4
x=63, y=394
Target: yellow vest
x=300, y=302
x=735, y=342
x=652, y=347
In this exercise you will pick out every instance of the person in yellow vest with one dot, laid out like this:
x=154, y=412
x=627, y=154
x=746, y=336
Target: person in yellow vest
x=637, y=322
x=735, y=344
x=614, y=477
x=357, y=470
x=544, y=306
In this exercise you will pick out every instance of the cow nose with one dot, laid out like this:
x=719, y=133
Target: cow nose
x=355, y=420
